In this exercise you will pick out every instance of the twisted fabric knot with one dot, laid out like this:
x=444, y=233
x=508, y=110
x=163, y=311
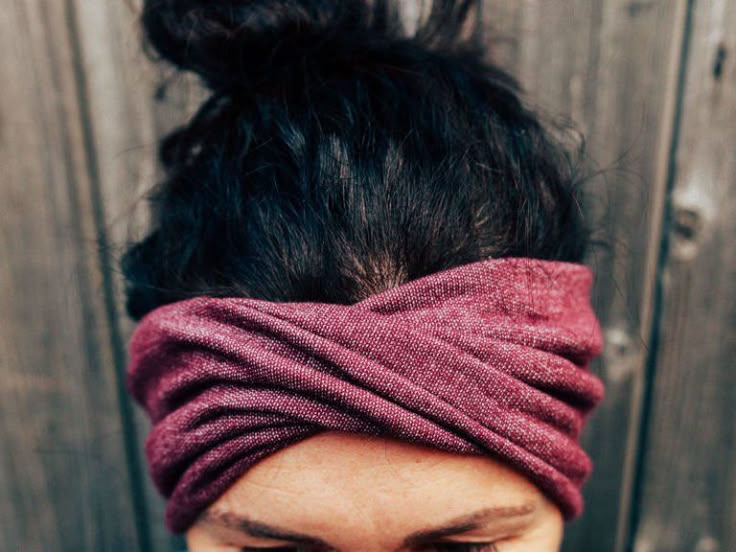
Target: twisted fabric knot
x=487, y=358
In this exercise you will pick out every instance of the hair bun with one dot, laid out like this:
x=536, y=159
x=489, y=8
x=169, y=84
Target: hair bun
x=239, y=42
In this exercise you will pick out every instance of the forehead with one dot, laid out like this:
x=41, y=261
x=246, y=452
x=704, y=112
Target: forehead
x=343, y=478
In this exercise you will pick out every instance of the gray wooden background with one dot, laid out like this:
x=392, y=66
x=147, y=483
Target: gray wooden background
x=652, y=86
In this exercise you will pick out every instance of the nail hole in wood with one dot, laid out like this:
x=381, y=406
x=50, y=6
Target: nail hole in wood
x=687, y=223
x=720, y=58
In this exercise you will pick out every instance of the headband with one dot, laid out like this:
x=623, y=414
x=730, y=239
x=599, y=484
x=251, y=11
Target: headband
x=485, y=358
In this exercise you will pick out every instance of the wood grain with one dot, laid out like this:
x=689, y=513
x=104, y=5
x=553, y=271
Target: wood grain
x=125, y=124
x=688, y=483
x=610, y=67
x=64, y=469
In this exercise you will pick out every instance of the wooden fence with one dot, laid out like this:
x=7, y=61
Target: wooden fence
x=651, y=84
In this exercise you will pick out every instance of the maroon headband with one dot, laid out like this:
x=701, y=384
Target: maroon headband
x=484, y=358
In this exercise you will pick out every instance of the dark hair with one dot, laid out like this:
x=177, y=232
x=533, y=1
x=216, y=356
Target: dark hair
x=339, y=155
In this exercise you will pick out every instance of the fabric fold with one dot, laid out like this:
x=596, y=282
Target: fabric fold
x=489, y=358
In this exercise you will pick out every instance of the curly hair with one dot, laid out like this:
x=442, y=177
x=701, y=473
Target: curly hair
x=339, y=155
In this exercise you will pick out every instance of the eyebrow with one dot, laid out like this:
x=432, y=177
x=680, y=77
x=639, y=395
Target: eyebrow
x=454, y=526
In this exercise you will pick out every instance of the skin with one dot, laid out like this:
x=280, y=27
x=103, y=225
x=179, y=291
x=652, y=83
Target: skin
x=359, y=493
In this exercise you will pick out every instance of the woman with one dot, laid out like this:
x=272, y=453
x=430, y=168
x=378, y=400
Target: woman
x=364, y=325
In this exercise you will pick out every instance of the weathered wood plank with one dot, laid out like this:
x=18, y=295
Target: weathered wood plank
x=125, y=125
x=64, y=479
x=611, y=67
x=689, y=477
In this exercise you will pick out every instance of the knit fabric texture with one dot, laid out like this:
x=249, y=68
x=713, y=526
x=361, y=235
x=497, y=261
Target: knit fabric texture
x=489, y=358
